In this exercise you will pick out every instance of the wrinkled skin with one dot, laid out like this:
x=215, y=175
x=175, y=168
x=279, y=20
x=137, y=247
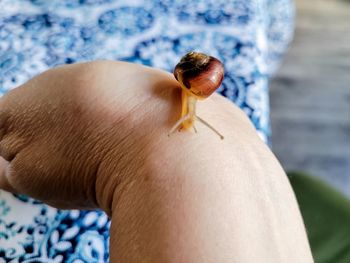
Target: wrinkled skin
x=95, y=135
x=60, y=130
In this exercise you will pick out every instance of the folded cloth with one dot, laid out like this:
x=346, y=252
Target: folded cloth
x=249, y=36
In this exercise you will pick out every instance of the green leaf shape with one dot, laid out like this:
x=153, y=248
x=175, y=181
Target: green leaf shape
x=326, y=214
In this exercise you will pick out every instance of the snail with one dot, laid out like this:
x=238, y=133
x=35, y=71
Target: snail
x=199, y=76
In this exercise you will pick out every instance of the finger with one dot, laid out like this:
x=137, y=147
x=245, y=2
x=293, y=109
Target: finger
x=2, y=117
x=4, y=183
x=10, y=145
x=4, y=114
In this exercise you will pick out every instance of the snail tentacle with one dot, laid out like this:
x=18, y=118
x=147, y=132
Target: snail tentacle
x=210, y=127
x=179, y=123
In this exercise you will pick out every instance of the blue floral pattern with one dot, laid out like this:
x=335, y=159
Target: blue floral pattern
x=249, y=36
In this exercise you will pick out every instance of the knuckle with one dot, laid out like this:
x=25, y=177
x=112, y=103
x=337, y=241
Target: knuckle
x=9, y=147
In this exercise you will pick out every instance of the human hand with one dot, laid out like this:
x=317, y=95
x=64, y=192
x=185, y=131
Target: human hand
x=94, y=135
x=65, y=132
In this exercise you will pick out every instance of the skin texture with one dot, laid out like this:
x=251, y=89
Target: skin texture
x=94, y=135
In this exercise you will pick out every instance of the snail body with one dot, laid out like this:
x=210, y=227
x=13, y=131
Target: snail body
x=199, y=75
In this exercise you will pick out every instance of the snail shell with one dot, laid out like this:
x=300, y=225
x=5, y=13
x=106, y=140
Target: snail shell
x=199, y=74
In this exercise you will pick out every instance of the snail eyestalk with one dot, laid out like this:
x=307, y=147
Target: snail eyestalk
x=178, y=124
x=199, y=76
x=210, y=127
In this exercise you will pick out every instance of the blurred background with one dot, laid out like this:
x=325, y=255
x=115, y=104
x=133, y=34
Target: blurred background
x=309, y=98
x=310, y=94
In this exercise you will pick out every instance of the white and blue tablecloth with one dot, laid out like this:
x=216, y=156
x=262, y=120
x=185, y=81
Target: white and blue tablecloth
x=249, y=36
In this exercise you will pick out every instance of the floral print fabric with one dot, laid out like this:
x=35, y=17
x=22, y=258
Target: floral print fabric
x=249, y=36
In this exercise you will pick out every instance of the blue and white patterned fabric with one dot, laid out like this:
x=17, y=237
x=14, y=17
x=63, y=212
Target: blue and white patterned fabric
x=249, y=36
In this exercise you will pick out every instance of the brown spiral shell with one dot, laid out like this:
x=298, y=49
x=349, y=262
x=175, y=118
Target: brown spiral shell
x=199, y=73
